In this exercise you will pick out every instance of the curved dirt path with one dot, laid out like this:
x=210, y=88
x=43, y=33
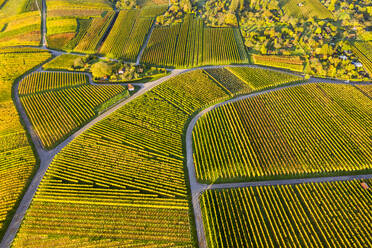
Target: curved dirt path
x=43, y=23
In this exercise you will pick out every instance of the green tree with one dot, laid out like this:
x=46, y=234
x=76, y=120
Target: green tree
x=79, y=63
x=101, y=69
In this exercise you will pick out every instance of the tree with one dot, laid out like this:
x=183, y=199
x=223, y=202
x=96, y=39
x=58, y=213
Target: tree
x=126, y=4
x=186, y=5
x=79, y=62
x=101, y=69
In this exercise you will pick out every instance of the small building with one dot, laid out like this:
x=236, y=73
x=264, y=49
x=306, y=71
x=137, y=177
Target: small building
x=343, y=57
x=300, y=4
x=364, y=185
x=130, y=87
x=358, y=64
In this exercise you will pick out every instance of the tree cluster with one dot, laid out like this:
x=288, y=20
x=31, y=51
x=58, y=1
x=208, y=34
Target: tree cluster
x=267, y=30
x=220, y=13
x=121, y=71
x=175, y=12
x=126, y=4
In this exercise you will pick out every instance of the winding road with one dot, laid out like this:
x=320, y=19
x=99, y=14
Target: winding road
x=46, y=156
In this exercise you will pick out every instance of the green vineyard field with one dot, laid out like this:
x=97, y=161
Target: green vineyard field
x=17, y=160
x=305, y=8
x=364, y=52
x=191, y=44
x=58, y=103
x=91, y=39
x=293, y=63
x=126, y=173
x=229, y=81
x=258, y=79
x=333, y=214
x=20, y=30
x=127, y=34
x=298, y=131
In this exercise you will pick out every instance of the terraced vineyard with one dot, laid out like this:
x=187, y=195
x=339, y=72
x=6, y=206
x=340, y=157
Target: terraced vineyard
x=333, y=214
x=126, y=173
x=298, y=131
x=190, y=44
x=17, y=160
x=127, y=34
x=57, y=103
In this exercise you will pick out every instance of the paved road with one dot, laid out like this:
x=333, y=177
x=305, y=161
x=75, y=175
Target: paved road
x=44, y=28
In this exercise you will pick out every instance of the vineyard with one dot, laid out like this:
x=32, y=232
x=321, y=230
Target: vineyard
x=127, y=34
x=298, y=131
x=364, y=52
x=60, y=31
x=68, y=22
x=229, y=81
x=17, y=161
x=123, y=179
x=333, y=214
x=76, y=9
x=258, y=79
x=366, y=89
x=293, y=63
x=58, y=103
x=191, y=44
x=21, y=29
x=62, y=62
x=306, y=8
x=90, y=41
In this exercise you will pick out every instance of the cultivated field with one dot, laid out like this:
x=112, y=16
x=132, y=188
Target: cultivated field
x=90, y=39
x=364, y=52
x=20, y=29
x=333, y=214
x=229, y=81
x=299, y=131
x=258, y=79
x=69, y=22
x=62, y=62
x=58, y=103
x=17, y=160
x=124, y=178
x=305, y=8
x=293, y=63
x=191, y=44
x=128, y=34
